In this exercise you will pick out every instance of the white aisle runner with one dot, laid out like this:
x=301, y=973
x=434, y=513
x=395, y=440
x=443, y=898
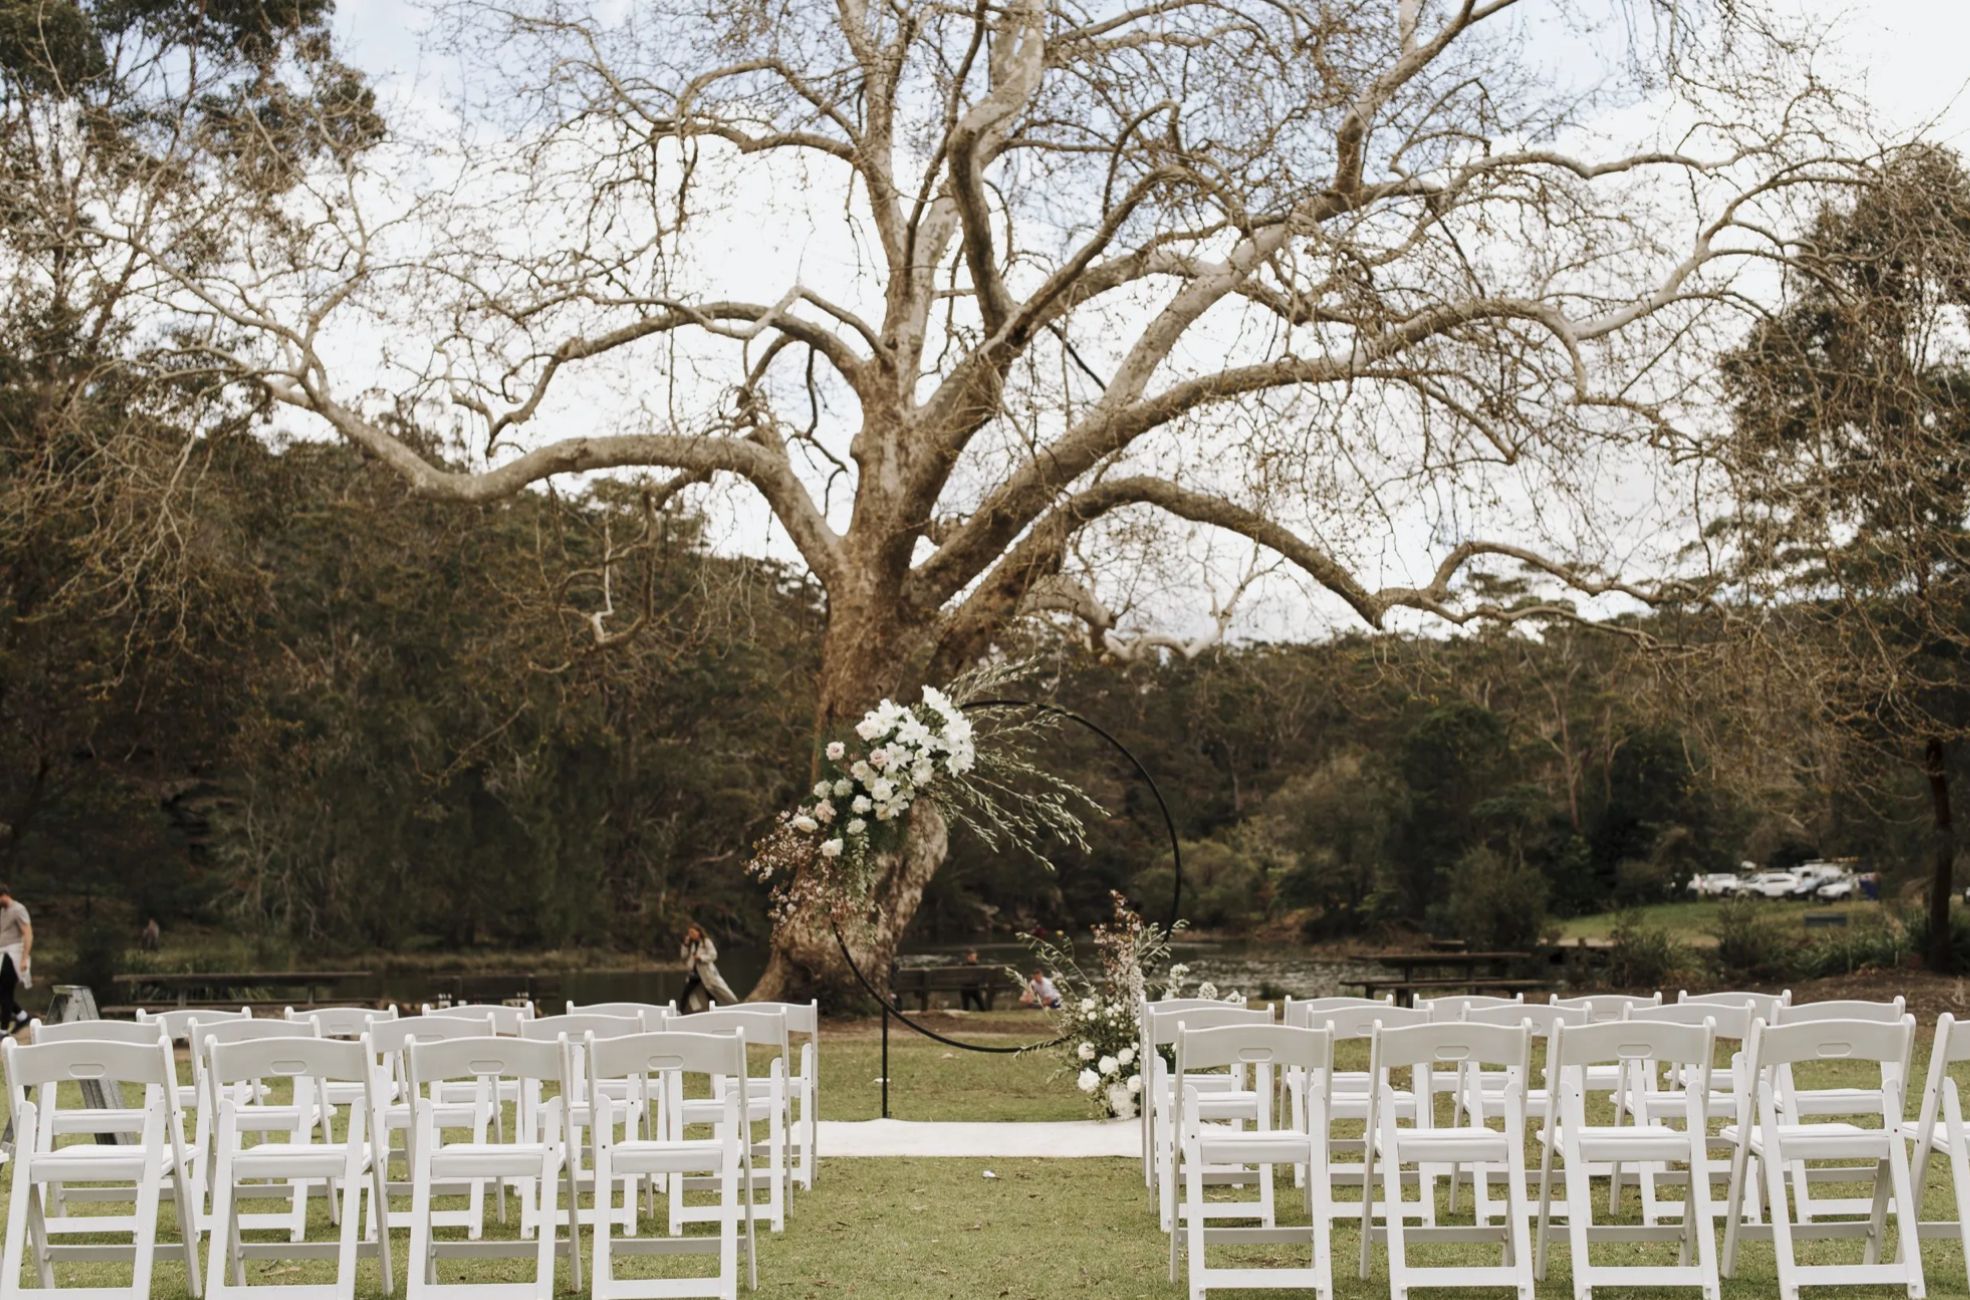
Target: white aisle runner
x=1071, y=1139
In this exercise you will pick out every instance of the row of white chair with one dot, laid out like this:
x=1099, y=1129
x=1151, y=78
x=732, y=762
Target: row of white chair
x=449, y=1071
x=1244, y=1094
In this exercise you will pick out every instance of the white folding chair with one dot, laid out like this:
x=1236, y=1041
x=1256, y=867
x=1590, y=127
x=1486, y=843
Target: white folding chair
x=1349, y=1090
x=766, y=1101
x=348, y=1024
x=725, y=1158
x=1939, y=1130
x=1446, y=1009
x=242, y=1172
x=1422, y=1049
x=123, y=1121
x=506, y=1016
x=1476, y=1086
x=652, y=1014
x=155, y=1163
x=576, y=1027
x=1603, y=1007
x=1202, y=1146
x=1144, y=1119
x=1227, y=1098
x=175, y=1024
x=388, y=1042
x=1571, y=1053
x=294, y=1118
x=1794, y=1102
x=803, y=1085
x=1777, y=1144
x=533, y=1161
x=1763, y=1005
x=1650, y=1096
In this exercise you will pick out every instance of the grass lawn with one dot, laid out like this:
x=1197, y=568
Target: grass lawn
x=1692, y=921
x=1038, y=1229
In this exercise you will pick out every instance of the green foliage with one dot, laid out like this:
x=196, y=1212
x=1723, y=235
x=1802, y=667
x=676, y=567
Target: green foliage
x=1751, y=945
x=1643, y=956
x=1494, y=902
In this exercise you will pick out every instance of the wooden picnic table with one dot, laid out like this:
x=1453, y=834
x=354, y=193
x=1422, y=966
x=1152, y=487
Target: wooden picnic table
x=1449, y=969
x=227, y=988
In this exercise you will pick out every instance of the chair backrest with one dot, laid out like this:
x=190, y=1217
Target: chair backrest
x=1454, y=1007
x=1543, y=1017
x=204, y=1035
x=1729, y=1023
x=84, y=1060
x=506, y=1019
x=330, y=1059
x=1764, y=1005
x=1164, y=1025
x=389, y=1037
x=1607, y=1006
x=1880, y=1042
x=1283, y=1046
x=142, y=1032
x=341, y=1022
x=1634, y=1040
x=802, y=1017
x=1446, y=1045
x=1185, y=1004
x=1805, y=1012
x=484, y=1057
x=666, y=1052
x=1360, y=1022
x=1305, y=1012
x=762, y=1028
x=178, y=1020
x=579, y=1025
x=652, y=1014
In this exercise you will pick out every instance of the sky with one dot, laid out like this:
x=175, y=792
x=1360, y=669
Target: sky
x=1903, y=57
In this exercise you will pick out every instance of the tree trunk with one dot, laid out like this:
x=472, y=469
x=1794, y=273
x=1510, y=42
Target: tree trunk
x=807, y=962
x=865, y=650
x=1942, y=870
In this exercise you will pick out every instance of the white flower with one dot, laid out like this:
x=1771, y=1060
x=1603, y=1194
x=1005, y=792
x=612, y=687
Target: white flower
x=1107, y=1065
x=1234, y=996
x=1135, y=1083
x=1087, y=1005
x=868, y=728
x=844, y=788
x=886, y=812
x=831, y=848
x=806, y=825
x=1121, y=1101
x=936, y=699
x=879, y=759
x=856, y=826
x=883, y=789
x=1178, y=971
x=1125, y=1058
x=1208, y=991
x=822, y=789
x=824, y=812
x=1085, y=1051
x=862, y=804
x=957, y=729
x=1088, y=1081
x=836, y=751
x=862, y=772
x=922, y=771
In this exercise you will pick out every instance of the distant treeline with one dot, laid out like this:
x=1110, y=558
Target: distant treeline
x=348, y=717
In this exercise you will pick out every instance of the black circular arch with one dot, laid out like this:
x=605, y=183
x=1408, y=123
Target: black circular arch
x=1176, y=862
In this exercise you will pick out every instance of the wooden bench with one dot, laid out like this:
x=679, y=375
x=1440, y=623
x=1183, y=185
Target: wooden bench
x=984, y=983
x=1825, y=920
x=220, y=989
x=1406, y=989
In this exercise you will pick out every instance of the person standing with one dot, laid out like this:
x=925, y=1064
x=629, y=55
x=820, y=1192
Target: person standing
x=16, y=959
x=700, y=956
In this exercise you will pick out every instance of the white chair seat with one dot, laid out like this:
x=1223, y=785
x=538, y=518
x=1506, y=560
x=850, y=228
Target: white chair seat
x=1834, y=1141
x=296, y=1159
x=645, y=1157
x=1448, y=1145
x=88, y=1162
x=487, y=1159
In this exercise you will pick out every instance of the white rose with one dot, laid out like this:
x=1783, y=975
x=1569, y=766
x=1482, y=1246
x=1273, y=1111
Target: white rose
x=868, y=728
x=883, y=789
x=879, y=759
x=831, y=848
x=1125, y=1058
x=1088, y=1081
x=861, y=804
x=824, y=812
x=1208, y=991
x=1087, y=1004
x=806, y=825
x=922, y=771
x=1135, y=1083
x=822, y=789
x=856, y=826
x=836, y=751
x=1107, y=1065
x=1085, y=1051
x=844, y=788
x=1121, y=1101
x=862, y=772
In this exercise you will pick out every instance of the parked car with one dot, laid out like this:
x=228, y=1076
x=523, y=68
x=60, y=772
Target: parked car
x=1715, y=884
x=1840, y=890
x=1772, y=884
x=1813, y=875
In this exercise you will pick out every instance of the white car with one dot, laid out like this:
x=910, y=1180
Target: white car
x=1772, y=884
x=1715, y=884
x=1839, y=891
x=1812, y=875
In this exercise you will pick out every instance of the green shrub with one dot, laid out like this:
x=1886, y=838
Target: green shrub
x=1880, y=942
x=1641, y=955
x=1750, y=945
x=1494, y=903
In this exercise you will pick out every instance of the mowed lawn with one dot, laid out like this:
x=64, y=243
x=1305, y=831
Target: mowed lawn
x=1036, y=1229
x=1692, y=921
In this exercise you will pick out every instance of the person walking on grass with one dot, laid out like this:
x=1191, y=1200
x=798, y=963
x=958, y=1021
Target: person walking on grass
x=700, y=956
x=16, y=959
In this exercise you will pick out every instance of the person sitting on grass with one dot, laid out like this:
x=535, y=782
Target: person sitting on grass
x=1040, y=992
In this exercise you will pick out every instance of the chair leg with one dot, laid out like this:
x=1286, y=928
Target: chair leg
x=24, y=1190
x=1193, y=1196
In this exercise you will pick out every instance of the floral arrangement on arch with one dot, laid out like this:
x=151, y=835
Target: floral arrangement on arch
x=1097, y=1016
x=826, y=852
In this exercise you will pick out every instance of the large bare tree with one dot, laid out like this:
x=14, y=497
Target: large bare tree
x=971, y=295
